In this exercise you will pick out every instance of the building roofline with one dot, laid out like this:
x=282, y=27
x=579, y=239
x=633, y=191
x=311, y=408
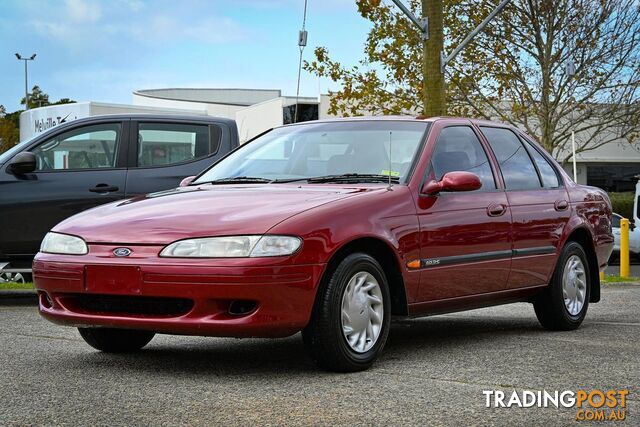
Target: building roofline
x=149, y=94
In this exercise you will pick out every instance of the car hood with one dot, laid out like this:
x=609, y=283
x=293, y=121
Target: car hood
x=206, y=210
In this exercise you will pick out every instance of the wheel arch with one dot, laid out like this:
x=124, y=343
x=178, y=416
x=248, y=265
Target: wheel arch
x=384, y=253
x=583, y=236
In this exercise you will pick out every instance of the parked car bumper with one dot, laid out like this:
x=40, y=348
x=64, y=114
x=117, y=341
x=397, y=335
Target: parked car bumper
x=176, y=296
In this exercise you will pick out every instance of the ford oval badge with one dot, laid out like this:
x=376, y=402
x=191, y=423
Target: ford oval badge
x=122, y=252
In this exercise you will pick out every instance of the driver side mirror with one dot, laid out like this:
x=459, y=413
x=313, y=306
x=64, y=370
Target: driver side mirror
x=452, y=181
x=188, y=180
x=22, y=163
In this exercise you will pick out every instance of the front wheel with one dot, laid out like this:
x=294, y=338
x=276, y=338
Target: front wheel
x=116, y=340
x=350, y=321
x=563, y=305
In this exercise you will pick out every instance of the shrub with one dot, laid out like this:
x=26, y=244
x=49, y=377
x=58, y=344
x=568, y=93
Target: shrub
x=622, y=203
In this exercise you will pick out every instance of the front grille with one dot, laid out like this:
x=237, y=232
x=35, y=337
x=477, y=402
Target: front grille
x=128, y=305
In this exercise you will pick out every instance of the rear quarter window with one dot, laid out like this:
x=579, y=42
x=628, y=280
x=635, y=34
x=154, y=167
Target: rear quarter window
x=547, y=172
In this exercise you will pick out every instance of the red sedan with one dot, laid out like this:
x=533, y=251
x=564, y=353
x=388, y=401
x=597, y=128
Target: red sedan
x=331, y=228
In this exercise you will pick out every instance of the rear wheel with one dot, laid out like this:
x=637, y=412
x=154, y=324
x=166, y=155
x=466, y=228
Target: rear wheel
x=350, y=320
x=116, y=340
x=563, y=305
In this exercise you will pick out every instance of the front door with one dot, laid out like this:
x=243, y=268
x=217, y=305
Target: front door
x=76, y=170
x=465, y=242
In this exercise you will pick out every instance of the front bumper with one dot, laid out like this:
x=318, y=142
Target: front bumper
x=174, y=296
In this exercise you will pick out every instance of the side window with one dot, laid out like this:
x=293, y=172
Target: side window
x=516, y=165
x=162, y=144
x=615, y=221
x=88, y=147
x=458, y=149
x=547, y=172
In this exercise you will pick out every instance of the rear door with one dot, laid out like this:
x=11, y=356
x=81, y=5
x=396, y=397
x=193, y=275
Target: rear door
x=465, y=243
x=539, y=206
x=77, y=169
x=163, y=153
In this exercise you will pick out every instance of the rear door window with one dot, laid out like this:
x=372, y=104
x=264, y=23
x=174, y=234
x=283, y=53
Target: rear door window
x=161, y=144
x=516, y=165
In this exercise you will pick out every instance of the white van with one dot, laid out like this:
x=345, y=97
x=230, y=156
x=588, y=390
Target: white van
x=634, y=226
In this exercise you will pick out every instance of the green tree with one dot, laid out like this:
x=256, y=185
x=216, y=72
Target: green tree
x=39, y=98
x=9, y=134
x=389, y=79
x=514, y=71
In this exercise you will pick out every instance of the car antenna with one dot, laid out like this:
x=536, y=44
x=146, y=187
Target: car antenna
x=389, y=171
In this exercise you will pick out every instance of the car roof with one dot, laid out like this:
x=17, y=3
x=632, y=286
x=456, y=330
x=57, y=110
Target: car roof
x=136, y=116
x=405, y=118
x=142, y=116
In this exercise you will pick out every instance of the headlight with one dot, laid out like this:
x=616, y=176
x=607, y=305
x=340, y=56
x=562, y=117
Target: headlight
x=56, y=243
x=233, y=247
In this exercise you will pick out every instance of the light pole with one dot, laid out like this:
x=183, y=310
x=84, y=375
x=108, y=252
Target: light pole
x=26, y=85
x=570, y=70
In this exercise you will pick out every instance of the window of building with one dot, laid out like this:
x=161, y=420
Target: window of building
x=613, y=177
x=516, y=165
x=306, y=112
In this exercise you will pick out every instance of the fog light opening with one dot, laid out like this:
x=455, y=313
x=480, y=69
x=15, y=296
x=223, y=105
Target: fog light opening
x=45, y=300
x=241, y=307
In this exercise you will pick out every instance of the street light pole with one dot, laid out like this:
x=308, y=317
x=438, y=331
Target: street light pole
x=570, y=70
x=26, y=77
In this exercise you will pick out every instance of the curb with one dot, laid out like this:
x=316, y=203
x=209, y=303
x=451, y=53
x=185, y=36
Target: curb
x=18, y=297
x=621, y=284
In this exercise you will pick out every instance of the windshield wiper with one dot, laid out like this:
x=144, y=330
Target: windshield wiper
x=354, y=177
x=238, y=180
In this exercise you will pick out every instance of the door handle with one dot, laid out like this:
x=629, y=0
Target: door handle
x=496, y=209
x=561, y=205
x=103, y=188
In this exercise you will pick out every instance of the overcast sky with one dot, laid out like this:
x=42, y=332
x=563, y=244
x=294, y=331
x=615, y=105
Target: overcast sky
x=102, y=50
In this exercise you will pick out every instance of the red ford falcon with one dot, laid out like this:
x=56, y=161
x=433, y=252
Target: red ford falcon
x=331, y=228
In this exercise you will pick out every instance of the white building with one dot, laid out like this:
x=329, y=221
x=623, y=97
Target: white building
x=611, y=166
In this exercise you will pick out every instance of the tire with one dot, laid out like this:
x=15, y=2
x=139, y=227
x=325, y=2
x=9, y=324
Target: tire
x=556, y=313
x=15, y=277
x=116, y=340
x=353, y=297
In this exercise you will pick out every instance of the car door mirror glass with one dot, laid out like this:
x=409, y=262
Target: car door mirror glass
x=23, y=163
x=453, y=181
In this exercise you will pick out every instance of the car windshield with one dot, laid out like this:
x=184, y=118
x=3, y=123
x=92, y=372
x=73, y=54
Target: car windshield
x=324, y=152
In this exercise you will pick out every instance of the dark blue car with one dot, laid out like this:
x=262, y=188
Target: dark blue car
x=87, y=162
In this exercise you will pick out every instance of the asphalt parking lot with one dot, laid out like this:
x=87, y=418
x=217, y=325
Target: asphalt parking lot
x=432, y=372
